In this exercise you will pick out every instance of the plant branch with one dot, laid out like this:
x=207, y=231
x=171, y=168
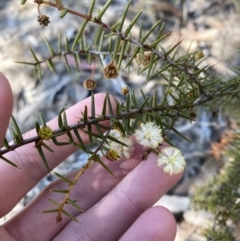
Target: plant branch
x=91, y=121
x=161, y=55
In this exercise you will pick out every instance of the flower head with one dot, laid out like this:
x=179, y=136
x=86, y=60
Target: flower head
x=149, y=135
x=123, y=152
x=172, y=160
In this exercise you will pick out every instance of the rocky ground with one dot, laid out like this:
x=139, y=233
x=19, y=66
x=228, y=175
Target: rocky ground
x=210, y=26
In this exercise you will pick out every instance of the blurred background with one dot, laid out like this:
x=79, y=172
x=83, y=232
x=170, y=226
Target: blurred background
x=210, y=26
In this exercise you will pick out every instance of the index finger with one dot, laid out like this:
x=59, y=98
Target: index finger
x=20, y=181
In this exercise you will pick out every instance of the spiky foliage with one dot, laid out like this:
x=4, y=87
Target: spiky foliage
x=221, y=197
x=186, y=86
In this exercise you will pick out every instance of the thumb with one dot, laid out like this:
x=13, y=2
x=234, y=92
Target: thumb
x=6, y=105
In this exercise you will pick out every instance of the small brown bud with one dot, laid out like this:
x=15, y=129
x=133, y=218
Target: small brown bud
x=146, y=60
x=110, y=71
x=89, y=84
x=193, y=114
x=43, y=20
x=125, y=90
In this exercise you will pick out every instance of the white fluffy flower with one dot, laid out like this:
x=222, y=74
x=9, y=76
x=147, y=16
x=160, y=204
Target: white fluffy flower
x=149, y=135
x=172, y=160
x=124, y=152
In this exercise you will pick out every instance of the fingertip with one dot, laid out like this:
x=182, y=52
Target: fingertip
x=6, y=105
x=156, y=223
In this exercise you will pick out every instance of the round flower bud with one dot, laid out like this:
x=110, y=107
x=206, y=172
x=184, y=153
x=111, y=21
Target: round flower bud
x=125, y=90
x=89, y=84
x=45, y=133
x=110, y=71
x=43, y=20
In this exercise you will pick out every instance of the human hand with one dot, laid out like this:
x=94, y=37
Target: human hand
x=116, y=208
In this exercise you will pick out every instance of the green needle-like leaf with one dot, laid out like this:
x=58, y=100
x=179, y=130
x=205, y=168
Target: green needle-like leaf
x=5, y=143
x=54, y=202
x=63, y=13
x=59, y=44
x=97, y=36
x=63, y=178
x=51, y=65
x=124, y=45
x=116, y=140
x=100, y=133
x=97, y=158
x=16, y=129
x=90, y=10
x=150, y=31
x=109, y=104
x=67, y=45
x=180, y=134
x=65, y=123
x=150, y=66
x=76, y=60
x=42, y=119
x=128, y=103
x=39, y=73
x=73, y=203
x=90, y=134
x=133, y=56
x=133, y=22
x=60, y=120
x=81, y=143
x=8, y=161
x=89, y=57
x=85, y=114
x=69, y=215
x=92, y=106
x=104, y=106
x=104, y=9
x=59, y=190
x=50, y=48
x=47, y=147
x=41, y=153
x=79, y=34
x=66, y=64
x=124, y=16
x=154, y=44
x=57, y=143
x=50, y=211
x=23, y=2
x=174, y=47
x=116, y=48
x=26, y=63
x=34, y=56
